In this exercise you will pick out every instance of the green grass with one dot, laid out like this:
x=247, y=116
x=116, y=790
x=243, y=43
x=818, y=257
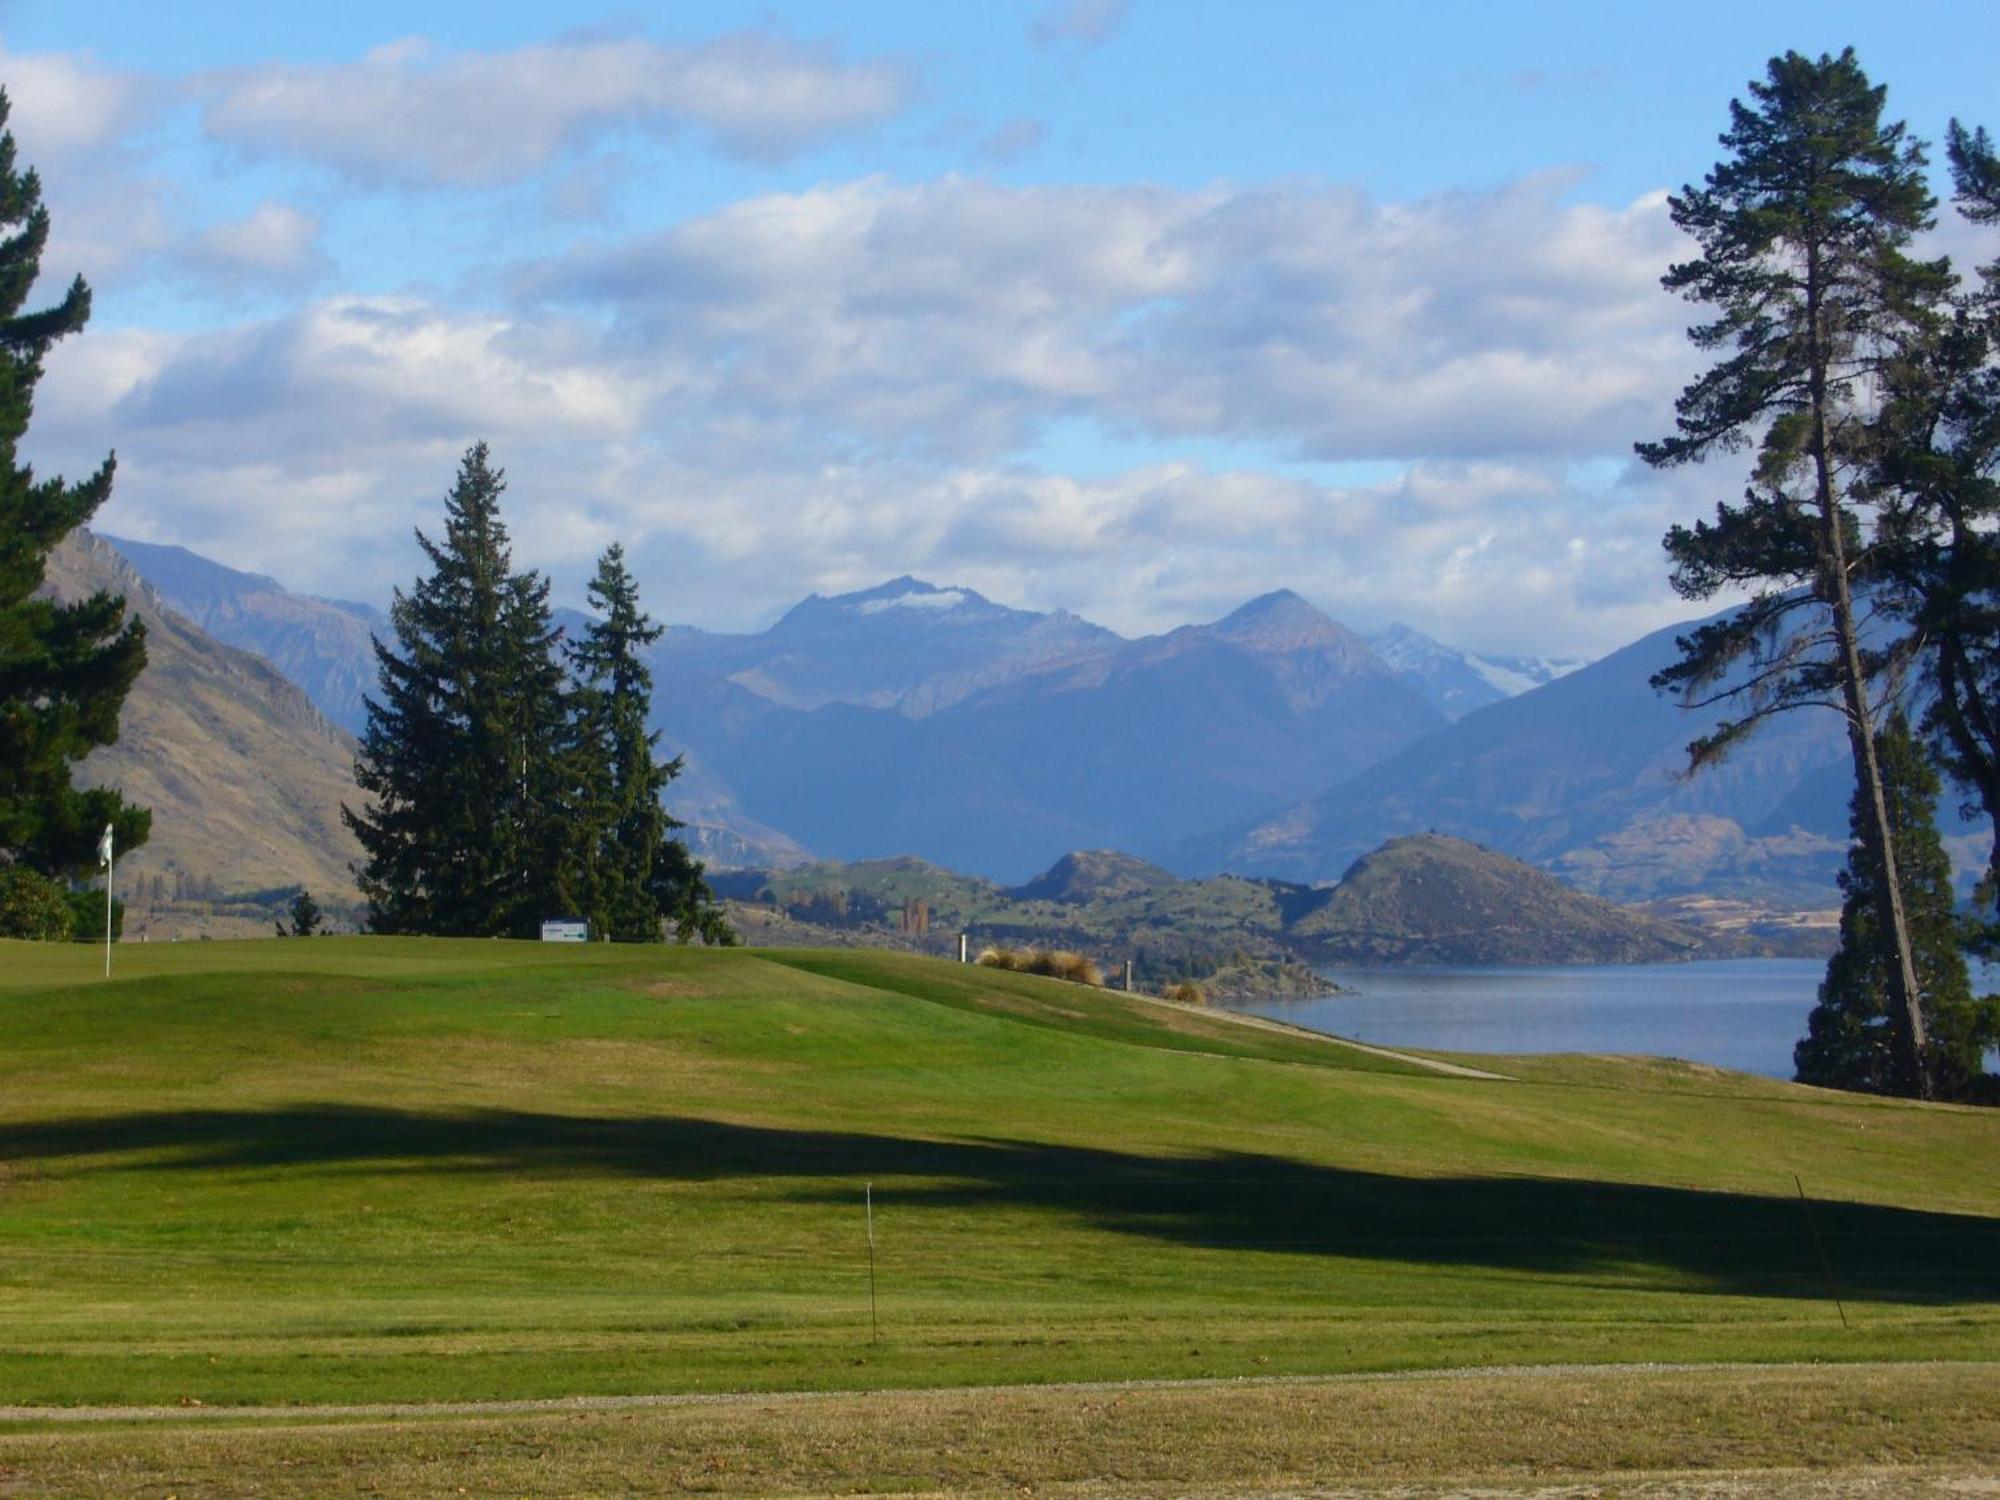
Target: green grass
x=374, y=1169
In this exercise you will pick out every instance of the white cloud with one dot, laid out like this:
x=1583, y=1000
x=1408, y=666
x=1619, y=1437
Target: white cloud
x=1088, y=23
x=66, y=104
x=818, y=390
x=408, y=113
x=960, y=315
x=273, y=244
x=72, y=120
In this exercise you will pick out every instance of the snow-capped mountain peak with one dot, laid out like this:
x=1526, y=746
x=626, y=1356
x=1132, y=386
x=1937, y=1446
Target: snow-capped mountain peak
x=1461, y=681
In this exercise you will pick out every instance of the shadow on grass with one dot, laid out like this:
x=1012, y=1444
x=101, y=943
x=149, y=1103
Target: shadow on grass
x=1635, y=1235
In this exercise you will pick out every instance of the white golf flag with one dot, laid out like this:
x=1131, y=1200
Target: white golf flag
x=104, y=848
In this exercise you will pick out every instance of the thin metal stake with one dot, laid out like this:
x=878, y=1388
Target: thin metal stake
x=874, y=1327
x=1824, y=1264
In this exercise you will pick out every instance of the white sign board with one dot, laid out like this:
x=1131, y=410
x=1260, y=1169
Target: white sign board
x=565, y=930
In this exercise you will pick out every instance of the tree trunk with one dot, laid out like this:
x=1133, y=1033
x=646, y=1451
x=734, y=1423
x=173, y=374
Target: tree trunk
x=1908, y=1016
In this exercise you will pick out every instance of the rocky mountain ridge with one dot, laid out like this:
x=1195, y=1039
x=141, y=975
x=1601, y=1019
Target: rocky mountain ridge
x=245, y=777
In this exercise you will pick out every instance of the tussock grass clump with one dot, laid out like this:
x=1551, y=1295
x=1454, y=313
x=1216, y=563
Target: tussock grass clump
x=1187, y=992
x=1056, y=963
x=1060, y=963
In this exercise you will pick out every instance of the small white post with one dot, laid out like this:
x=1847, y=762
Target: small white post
x=105, y=857
x=1128, y=976
x=874, y=1324
x=961, y=947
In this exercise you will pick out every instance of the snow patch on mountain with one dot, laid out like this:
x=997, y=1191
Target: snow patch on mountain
x=941, y=599
x=1459, y=681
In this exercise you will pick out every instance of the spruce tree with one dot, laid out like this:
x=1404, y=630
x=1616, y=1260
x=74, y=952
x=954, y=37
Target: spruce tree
x=1851, y=1040
x=634, y=873
x=64, y=669
x=467, y=829
x=1803, y=232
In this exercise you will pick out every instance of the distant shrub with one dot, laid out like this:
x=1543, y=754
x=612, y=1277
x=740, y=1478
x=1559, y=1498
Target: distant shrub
x=34, y=907
x=86, y=915
x=1057, y=963
x=1187, y=992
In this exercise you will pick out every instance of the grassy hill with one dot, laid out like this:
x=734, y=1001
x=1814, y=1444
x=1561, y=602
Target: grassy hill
x=385, y=1169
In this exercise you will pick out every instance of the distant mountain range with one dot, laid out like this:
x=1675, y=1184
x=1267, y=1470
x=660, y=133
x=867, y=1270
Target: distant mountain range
x=915, y=718
x=912, y=718
x=1017, y=736
x=1586, y=775
x=245, y=777
x=319, y=644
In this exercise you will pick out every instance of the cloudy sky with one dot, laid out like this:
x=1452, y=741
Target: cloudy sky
x=1135, y=307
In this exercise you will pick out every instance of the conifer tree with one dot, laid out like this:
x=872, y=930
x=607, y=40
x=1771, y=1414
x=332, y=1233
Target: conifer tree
x=1803, y=232
x=1851, y=1038
x=1940, y=462
x=635, y=873
x=64, y=669
x=465, y=832
x=305, y=914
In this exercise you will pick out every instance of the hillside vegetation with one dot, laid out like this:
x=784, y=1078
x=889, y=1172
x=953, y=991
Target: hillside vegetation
x=1435, y=899
x=1422, y=899
x=378, y=1169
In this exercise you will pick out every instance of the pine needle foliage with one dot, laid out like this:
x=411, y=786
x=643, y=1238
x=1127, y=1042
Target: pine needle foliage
x=1851, y=1034
x=466, y=831
x=511, y=775
x=64, y=668
x=1941, y=464
x=635, y=875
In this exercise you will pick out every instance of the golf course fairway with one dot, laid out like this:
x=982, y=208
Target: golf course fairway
x=374, y=1171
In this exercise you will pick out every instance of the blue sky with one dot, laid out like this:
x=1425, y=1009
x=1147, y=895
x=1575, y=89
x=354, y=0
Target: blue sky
x=1137, y=309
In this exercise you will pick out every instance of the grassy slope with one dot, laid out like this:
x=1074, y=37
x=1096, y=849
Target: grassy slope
x=244, y=777
x=383, y=1169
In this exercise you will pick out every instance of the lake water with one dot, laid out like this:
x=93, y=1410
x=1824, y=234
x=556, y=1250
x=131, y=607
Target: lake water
x=1737, y=1013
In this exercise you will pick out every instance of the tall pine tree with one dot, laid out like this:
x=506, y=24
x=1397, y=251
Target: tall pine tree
x=467, y=831
x=1940, y=462
x=64, y=669
x=1851, y=1040
x=635, y=874
x=1804, y=232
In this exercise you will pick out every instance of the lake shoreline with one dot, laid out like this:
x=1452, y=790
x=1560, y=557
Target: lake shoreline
x=1743, y=1013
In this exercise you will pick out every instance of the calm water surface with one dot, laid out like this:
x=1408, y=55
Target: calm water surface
x=1736, y=1013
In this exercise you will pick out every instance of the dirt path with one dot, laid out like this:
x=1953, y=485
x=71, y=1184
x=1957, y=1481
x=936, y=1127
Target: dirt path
x=380, y=1409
